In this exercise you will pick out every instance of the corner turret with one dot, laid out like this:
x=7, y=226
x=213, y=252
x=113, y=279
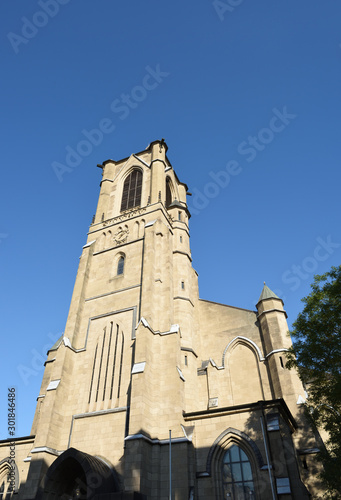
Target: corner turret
x=275, y=332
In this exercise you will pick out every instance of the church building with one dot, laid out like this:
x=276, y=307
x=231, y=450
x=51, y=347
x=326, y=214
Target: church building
x=153, y=393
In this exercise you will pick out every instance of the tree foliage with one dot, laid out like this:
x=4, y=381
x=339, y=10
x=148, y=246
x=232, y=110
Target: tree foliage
x=316, y=353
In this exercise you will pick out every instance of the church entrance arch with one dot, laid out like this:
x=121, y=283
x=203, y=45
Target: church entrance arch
x=77, y=475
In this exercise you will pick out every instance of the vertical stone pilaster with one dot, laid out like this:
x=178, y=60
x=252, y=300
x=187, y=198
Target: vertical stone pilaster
x=158, y=183
x=104, y=195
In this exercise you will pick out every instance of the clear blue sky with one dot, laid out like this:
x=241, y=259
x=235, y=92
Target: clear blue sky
x=252, y=91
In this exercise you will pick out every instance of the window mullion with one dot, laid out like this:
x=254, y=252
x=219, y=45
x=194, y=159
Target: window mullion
x=135, y=187
x=129, y=187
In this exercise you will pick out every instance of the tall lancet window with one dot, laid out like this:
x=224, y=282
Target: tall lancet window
x=120, y=266
x=168, y=193
x=237, y=475
x=132, y=190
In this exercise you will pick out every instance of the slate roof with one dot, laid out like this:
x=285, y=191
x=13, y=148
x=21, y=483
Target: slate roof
x=267, y=294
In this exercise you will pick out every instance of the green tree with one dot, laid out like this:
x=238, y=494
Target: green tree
x=316, y=354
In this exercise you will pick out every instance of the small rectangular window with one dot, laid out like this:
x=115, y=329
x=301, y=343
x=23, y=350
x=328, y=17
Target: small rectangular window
x=182, y=285
x=281, y=361
x=180, y=239
x=186, y=361
x=283, y=485
x=272, y=420
x=179, y=215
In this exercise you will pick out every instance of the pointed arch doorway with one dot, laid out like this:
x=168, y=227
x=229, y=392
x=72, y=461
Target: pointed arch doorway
x=77, y=475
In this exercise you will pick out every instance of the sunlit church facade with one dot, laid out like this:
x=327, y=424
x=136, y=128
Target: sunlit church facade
x=144, y=358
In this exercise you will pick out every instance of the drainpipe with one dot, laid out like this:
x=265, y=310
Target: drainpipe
x=170, y=465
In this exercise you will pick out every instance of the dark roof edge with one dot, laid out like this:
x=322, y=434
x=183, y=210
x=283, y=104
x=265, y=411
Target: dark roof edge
x=258, y=405
x=227, y=305
x=24, y=438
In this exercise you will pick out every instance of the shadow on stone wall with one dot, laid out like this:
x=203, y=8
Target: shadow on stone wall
x=196, y=472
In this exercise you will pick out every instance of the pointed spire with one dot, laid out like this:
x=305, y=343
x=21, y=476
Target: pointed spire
x=267, y=294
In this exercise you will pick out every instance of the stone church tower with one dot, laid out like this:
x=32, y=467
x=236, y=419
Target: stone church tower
x=142, y=355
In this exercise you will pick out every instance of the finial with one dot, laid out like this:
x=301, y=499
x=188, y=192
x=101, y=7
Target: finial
x=264, y=282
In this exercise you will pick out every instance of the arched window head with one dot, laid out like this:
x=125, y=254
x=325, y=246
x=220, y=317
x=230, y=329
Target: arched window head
x=120, y=266
x=8, y=479
x=168, y=193
x=132, y=189
x=237, y=475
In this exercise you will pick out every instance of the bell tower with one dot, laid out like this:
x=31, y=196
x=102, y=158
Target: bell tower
x=131, y=314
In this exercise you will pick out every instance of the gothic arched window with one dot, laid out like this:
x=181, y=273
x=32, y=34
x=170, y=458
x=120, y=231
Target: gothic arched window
x=132, y=189
x=9, y=477
x=120, y=266
x=237, y=475
x=168, y=193
x=2, y=490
